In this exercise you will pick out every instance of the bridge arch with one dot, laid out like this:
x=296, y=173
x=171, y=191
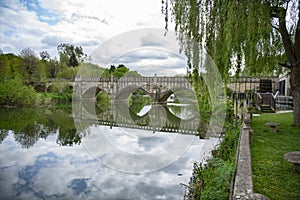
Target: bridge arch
x=91, y=92
x=167, y=93
x=158, y=88
x=125, y=92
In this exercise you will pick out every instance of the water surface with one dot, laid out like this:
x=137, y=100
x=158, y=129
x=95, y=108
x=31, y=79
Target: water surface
x=45, y=154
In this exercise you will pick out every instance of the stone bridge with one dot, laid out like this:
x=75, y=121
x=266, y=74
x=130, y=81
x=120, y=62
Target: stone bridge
x=158, y=88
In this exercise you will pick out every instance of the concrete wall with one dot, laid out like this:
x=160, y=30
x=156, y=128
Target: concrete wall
x=242, y=182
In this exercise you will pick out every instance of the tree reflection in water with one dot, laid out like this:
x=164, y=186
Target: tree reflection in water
x=31, y=124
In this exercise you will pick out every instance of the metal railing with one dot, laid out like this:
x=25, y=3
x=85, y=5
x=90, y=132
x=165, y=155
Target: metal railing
x=284, y=102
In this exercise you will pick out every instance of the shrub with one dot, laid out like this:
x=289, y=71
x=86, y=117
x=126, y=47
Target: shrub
x=212, y=180
x=14, y=93
x=60, y=87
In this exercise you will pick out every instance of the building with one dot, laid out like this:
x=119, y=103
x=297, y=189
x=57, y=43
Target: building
x=284, y=86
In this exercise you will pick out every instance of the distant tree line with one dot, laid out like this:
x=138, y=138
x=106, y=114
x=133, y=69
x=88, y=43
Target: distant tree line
x=20, y=74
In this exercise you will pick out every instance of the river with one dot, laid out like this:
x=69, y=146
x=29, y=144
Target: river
x=50, y=153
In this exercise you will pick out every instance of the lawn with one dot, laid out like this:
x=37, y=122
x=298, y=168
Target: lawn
x=272, y=175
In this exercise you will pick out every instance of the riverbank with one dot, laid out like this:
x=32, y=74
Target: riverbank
x=212, y=178
x=272, y=175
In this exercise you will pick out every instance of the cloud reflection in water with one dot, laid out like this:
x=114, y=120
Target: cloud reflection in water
x=49, y=171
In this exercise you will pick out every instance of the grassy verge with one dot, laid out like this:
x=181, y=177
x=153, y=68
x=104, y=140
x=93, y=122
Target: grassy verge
x=272, y=175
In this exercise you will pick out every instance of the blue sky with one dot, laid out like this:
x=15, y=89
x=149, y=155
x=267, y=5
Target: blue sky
x=43, y=24
x=44, y=14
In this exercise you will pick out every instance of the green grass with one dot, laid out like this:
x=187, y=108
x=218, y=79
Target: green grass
x=272, y=175
x=212, y=180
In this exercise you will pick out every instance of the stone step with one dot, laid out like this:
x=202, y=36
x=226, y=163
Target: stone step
x=266, y=109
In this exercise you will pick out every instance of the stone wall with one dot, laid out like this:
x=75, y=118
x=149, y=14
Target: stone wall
x=242, y=182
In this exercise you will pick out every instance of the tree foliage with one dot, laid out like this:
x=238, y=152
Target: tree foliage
x=114, y=71
x=4, y=68
x=33, y=70
x=90, y=70
x=71, y=55
x=23, y=77
x=14, y=93
x=233, y=32
x=10, y=67
x=255, y=35
x=45, y=55
x=52, y=68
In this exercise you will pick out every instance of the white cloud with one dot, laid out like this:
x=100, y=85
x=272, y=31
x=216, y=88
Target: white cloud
x=20, y=28
x=55, y=39
x=40, y=23
x=153, y=61
x=148, y=51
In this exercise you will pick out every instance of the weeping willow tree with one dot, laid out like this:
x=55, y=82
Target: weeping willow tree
x=250, y=36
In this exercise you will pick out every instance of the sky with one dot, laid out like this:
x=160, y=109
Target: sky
x=42, y=25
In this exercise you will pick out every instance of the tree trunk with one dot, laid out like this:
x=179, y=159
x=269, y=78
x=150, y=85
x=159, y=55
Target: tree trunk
x=292, y=55
x=295, y=86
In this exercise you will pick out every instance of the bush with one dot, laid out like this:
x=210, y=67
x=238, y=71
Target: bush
x=14, y=93
x=212, y=180
x=61, y=92
x=227, y=148
x=61, y=87
x=44, y=99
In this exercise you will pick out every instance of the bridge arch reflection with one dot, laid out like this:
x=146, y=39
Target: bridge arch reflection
x=159, y=118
